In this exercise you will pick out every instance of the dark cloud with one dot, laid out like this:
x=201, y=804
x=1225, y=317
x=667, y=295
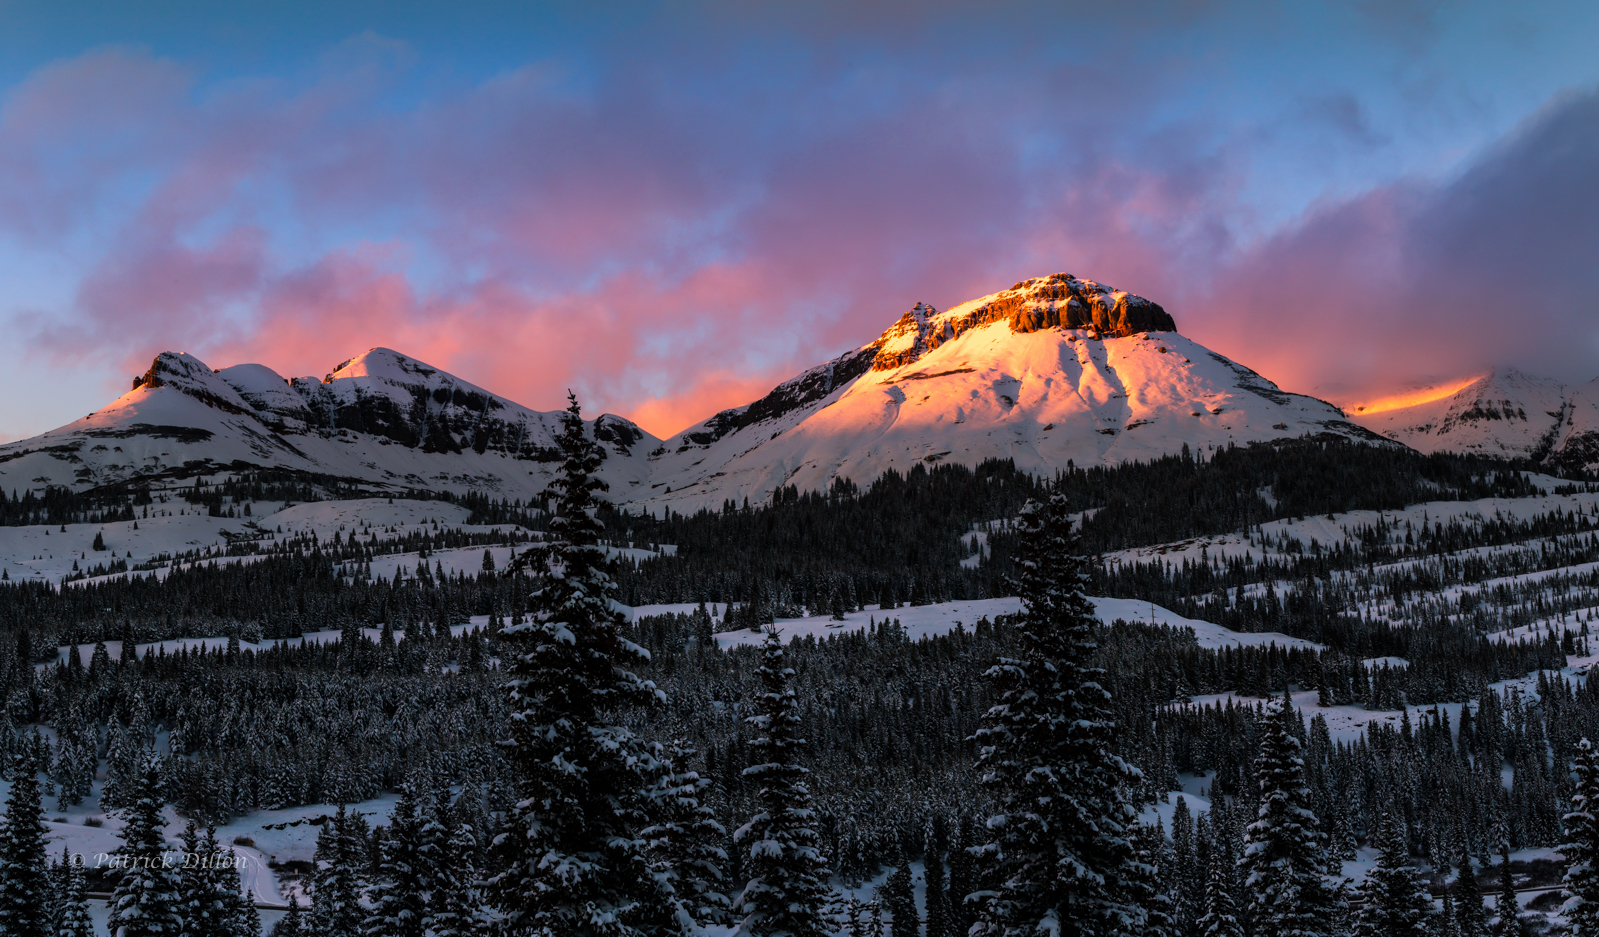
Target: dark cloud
x=1498, y=266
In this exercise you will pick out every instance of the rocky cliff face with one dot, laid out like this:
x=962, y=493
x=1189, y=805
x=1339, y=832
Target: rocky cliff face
x=1058, y=301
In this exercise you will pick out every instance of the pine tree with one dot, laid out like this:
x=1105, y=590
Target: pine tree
x=1060, y=857
x=1581, y=846
x=1283, y=858
x=1187, y=879
x=292, y=924
x=899, y=899
x=937, y=901
x=574, y=863
x=1507, y=907
x=684, y=840
x=1395, y=898
x=457, y=906
x=144, y=902
x=1151, y=884
x=335, y=896
x=1447, y=926
x=962, y=876
x=1471, y=916
x=786, y=891
x=24, y=877
x=74, y=920
x=1221, y=911
x=854, y=925
x=201, y=900
x=399, y=894
x=246, y=917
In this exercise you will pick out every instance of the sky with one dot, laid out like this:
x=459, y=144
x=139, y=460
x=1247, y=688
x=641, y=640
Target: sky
x=671, y=207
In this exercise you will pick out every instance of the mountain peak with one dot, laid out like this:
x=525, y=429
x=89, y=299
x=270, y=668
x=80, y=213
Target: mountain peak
x=1059, y=300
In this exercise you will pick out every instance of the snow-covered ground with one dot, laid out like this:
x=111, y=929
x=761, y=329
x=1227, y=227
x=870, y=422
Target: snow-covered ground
x=925, y=621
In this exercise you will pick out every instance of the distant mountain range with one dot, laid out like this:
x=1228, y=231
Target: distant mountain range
x=1505, y=414
x=1054, y=371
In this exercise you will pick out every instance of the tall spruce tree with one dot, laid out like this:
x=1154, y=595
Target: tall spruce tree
x=74, y=920
x=1471, y=915
x=684, y=841
x=145, y=901
x=1059, y=858
x=1154, y=881
x=25, y=892
x=1284, y=852
x=292, y=924
x=201, y=900
x=1507, y=908
x=787, y=890
x=937, y=901
x=574, y=862
x=336, y=895
x=1220, y=918
x=899, y=899
x=457, y=907
x=1581, y=846
x=399, y=895
x=1394, y=898
x=963, y=876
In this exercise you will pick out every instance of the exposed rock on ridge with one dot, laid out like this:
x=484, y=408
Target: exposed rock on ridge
x=1056, y=301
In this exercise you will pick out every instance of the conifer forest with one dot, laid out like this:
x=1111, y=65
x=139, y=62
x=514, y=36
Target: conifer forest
x=1310, y=688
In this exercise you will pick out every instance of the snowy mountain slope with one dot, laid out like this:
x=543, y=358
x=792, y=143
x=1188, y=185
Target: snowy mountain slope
x=1577, y=445
x=1504, y=414
x=1051, y=371
x=381, y=418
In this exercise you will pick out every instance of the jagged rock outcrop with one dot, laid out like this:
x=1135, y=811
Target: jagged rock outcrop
x=1059, y=300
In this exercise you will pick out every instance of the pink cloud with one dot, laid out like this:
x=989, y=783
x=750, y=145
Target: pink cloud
x=669, y=254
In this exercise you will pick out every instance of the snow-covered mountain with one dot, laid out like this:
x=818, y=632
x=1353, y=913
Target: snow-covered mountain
x=381, y=418
x=1054, y=370
x=1504, y=414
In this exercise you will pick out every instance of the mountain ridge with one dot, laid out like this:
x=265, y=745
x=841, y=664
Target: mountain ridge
x=1505, y=413
x=1054, y=372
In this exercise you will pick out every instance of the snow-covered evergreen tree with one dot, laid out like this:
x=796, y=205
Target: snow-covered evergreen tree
x=247, y=917
x=399, y=893
x=787, y=887
x=684, y=841
x=145, y=901
x=1221, y=910
x=963, y=876
x=1395, y=902
x=1581, y=846
x=292, y=924
x=336, y=892
x=200, y=902
x=899, y=900
x=1154, y=879
x=1471, y=915
x=1507, y=909
x=74, y=920
x=24, y=874
x=937, y=893
x=1059, y=857
x=457, y=909
x=575, y=863
x=1284, y=855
